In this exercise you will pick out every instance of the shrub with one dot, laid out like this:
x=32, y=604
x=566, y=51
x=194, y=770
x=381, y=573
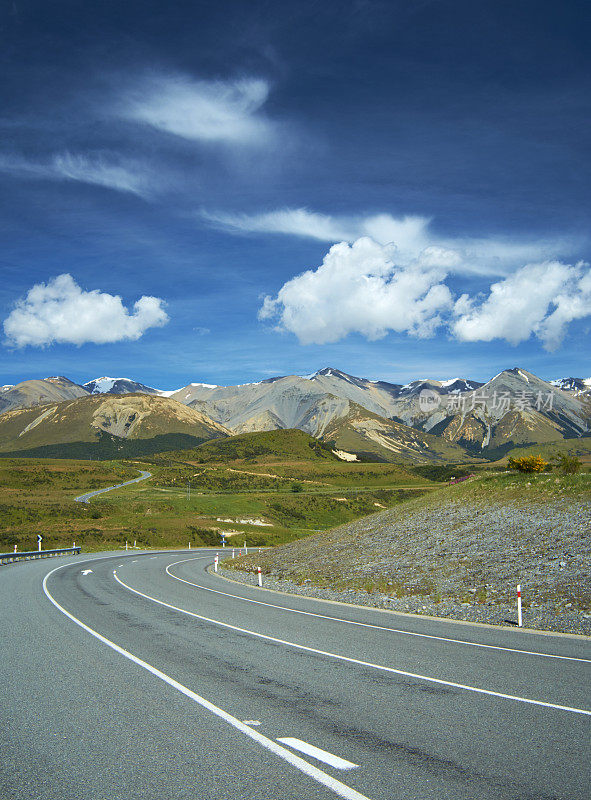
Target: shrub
x=568, y=465
x=528, y=464
x=297, y=487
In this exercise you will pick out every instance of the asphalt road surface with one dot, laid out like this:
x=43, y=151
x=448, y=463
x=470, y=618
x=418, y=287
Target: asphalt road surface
x=85, y=498
x=145, y=677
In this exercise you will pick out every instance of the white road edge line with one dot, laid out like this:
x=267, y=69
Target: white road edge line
x=340, y=789
x=316, y=752
x=368, y=625
x=369, y=664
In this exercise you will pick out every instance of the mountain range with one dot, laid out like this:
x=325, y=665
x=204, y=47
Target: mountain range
x=425, y=420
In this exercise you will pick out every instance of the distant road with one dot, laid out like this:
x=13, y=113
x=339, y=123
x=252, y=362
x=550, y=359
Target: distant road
x=145, y=677
x=85, y=498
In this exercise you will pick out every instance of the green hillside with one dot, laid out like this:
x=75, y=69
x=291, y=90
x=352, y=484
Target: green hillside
x=265, y=446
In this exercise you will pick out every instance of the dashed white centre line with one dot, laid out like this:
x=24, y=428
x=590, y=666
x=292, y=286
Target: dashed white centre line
x=316, y=752
x=340, y=789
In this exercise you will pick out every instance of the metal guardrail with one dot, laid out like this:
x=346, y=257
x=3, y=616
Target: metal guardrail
x=7, y=558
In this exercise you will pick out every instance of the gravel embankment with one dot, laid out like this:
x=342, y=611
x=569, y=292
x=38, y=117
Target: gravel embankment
x=460, y=559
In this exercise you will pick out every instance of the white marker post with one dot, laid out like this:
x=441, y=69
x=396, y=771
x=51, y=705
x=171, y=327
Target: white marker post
x=232, y=552
x=126, y=544
x=215, y=563
x=15, y=548
x=73, y=544
x=189, y=545
x=39, y=540
x=135, y=543
x=260, y=576
x=519, y=618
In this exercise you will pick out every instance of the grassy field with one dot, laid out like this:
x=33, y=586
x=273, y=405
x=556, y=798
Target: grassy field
x=266, y=489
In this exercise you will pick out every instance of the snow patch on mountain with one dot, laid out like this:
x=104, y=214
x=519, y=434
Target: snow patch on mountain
x=102, y=385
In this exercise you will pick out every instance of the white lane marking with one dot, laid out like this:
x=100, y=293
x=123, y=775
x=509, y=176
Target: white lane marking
x=153, y=557
x=340, y=789
x=251, y=722
x=316, y=752
x=381, y=667
x=86, y=571
x=368, y=625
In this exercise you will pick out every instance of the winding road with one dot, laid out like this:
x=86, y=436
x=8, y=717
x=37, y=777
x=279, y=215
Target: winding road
x=145, y=676
x=85, y=498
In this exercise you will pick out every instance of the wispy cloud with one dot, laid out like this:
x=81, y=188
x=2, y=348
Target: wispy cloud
x=411, y=234
x=61, y=312
x=115, y=173
x=363, y=288
x=207, y=111
x=125, y=177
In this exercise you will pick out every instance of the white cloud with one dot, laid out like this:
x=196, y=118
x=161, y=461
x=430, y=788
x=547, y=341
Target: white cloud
x=360, y=289
x=61, y=312
x=295, y=221
x=97, y=170
x=539, y=299
x=120, y=176
x=211, y=111
x=409, y=232
x=367, y=288
x=412, y=234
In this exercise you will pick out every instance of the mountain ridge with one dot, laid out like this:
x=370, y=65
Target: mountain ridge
x=514, y=408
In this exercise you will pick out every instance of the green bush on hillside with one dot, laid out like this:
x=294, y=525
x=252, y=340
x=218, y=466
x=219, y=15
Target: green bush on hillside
x=567, y=465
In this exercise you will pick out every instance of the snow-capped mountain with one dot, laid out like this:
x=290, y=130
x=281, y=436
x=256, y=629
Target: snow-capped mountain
x=117, y=386
x=573, y=384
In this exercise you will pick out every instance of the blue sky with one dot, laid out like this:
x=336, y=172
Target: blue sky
x=224, y=192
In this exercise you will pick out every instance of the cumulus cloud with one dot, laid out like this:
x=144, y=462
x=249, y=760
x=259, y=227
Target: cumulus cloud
x=367, y=288
x=210, y=111
x=61, y=312
x=122, y=176
x=412, y=234
x=539, y=299
x=359, y=288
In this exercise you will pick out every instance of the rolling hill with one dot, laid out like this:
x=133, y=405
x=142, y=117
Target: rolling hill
x=104, y=421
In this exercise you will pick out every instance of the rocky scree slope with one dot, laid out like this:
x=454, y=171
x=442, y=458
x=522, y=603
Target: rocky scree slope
x=458, y=552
